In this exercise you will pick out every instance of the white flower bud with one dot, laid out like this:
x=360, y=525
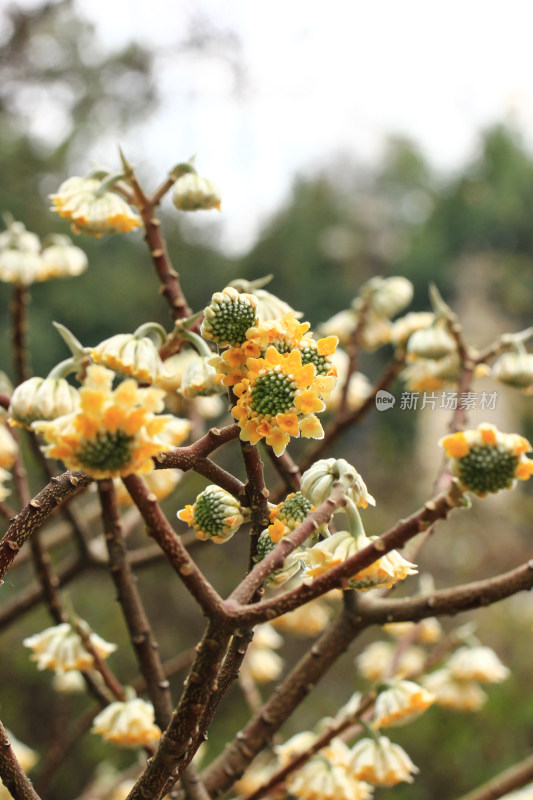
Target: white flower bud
x=42, y=399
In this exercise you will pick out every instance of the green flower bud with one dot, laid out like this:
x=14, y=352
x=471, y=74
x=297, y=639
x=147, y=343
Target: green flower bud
x=228, y=317
x=214, y=515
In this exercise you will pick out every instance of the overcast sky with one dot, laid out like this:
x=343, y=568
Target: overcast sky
x=324, y=76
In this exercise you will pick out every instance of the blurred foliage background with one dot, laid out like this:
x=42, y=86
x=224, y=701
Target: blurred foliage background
x=470, y=232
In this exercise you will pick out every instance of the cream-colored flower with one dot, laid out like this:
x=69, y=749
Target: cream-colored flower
x=404, y=327
x=387, y=296
x=294, y=746
x=8, y=448
x=200, y=379
x=317, y=482
x=338, y=548
x=266, y=637
x=20, y=260
x=261, y=662
x=193, y=193
x=259, y=772
x=434, y=342
x=92, y=207
x=42, y=399
x=69, y=682
x=402, y=702
x=61, y=648
x=428, y=375
x=129, y=724
x=342, y=325
x=321, y=779
x=458, y=695
x=60, y=258
x=307, y=620
x=381, y=762
x=263, y=665
x=514, y=369
x=130, y=355
x=427, y=631
x=477, y=664
x=377, y=661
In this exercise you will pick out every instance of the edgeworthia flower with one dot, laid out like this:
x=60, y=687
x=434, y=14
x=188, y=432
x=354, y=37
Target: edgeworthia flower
x=61, y=648
x=129, y=724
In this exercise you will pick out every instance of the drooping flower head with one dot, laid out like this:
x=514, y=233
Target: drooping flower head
x=93, y=207
x=129, y=724
x=381, y=762
x=486, y=460
x=113, y=433
x=20, y=260
x=42, y=399
x=317, y=482
x=401, y=702
x=131, y=355
x=60, y=258
x=215, y=515
x=228, y=317
x=307, y=620
x=61, y=648
x=279, y=398
x=194, y=193
x=338, y=548
x=328, y=776
x=477, y=664
x=452, y=693
x=515, y=369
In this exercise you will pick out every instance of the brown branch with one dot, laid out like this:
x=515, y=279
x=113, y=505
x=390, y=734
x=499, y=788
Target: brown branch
x=175, y=752
x=215, y=474
x=275, y=559
x=257, y=495
x=186, y=458
x=507, y=781
x=141, y=635
x=228, y=767
x=33, y=515
x=160, y=529
x=20, y=300
x=435, y=509
x=452, y=601
x=169, y=278
x=13, y=776
x=5, y=400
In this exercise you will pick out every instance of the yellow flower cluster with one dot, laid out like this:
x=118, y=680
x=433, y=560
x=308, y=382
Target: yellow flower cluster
x=486, y=460
x=279, y=398
x=113, y=433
